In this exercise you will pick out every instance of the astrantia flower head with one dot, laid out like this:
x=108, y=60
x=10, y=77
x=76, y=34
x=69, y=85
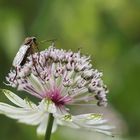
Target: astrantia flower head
x=63, y=77
x=59, y=79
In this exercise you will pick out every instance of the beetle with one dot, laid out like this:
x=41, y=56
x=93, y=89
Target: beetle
x=28, y=47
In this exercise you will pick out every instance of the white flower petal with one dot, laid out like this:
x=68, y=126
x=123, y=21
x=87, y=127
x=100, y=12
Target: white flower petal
x=92, y=122
x=47, y=105
x=66, y=120
x=28, y=116
x=36, y=84
x=33, y=119
x=6, y=108
x=17, y=100
x=29, y=113
x=104, y=132
x=54, y=126
x=104, y=127
x=41, y=129
x=95, y=122
x=90, y=116
x=14, y=98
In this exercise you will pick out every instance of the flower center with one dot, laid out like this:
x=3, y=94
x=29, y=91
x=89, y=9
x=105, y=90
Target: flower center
x=57, y=98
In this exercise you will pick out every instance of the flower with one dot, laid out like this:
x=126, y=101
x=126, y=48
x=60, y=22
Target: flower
x=59, y=79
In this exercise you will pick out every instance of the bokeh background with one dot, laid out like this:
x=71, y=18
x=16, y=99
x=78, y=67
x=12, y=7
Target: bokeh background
x=108, y=30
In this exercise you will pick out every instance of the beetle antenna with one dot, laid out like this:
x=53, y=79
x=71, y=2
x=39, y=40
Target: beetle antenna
x=50, y=40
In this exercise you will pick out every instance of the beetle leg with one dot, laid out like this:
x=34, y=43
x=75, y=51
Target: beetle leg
x=39, y=57
x=15, y=74
x=34, y=64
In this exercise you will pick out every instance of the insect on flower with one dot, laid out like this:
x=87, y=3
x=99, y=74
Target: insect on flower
x=29, y=47
x=26, y=49
x=60, y=80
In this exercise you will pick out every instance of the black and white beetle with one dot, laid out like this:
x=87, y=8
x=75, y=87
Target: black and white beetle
x=29, y=46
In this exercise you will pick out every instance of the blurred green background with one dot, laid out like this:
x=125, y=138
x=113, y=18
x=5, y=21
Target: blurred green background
x=108, y=30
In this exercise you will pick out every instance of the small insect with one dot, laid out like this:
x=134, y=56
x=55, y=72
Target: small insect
x=29, y=46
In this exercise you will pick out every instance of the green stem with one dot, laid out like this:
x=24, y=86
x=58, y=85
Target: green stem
x=49, y=127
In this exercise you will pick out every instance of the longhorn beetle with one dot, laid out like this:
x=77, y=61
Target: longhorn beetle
x=27, y=48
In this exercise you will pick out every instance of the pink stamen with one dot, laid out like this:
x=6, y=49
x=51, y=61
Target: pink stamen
x=57, y=98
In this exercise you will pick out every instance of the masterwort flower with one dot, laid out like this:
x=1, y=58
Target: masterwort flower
x=59, y=79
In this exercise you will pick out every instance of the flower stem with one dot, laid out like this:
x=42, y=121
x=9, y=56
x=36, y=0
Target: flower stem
x=49, y=127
